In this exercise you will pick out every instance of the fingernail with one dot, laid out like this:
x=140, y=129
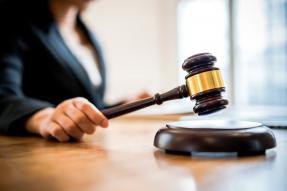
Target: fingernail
x=105, y=123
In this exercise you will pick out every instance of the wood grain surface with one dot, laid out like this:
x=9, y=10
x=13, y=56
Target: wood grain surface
x=123, y=158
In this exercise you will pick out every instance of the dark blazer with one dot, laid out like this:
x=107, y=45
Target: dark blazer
x=37, y=69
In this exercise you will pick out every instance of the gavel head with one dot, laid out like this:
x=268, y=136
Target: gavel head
x=204, y=83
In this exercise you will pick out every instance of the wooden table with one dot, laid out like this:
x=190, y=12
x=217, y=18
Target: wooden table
x=123, y=158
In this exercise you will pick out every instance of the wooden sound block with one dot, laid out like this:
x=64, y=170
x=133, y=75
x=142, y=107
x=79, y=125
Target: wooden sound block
x=243, y=137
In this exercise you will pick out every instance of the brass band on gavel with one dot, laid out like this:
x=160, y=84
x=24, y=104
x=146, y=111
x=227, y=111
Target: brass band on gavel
x=204, y=81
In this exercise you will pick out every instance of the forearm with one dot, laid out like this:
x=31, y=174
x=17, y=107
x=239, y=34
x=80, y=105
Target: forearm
x=15, y=110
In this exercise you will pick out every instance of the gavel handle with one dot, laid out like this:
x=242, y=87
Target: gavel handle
x=176, y=93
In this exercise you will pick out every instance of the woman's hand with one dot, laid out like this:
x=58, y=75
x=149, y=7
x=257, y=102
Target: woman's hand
x=139, y=96
x=70, y=119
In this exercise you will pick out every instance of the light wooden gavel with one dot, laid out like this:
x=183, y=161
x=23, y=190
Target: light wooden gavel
x=203, y=84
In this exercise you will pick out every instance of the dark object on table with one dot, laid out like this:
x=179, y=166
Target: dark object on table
x=215, y=136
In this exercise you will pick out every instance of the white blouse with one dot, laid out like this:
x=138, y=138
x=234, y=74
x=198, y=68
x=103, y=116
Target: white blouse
x=85, y=53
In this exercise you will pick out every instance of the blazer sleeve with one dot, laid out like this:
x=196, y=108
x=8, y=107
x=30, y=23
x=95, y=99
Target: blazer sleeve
x=15, y=107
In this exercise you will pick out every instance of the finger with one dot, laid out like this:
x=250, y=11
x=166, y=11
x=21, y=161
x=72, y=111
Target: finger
x=143, y=95
x=81, y=119
x=92, y=112
x=56, y=131
x=68, y=126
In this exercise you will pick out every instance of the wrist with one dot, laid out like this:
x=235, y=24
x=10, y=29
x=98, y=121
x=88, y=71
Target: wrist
x=38, y=119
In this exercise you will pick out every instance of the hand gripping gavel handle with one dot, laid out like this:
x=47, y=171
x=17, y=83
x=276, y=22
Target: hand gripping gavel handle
x=176, y=93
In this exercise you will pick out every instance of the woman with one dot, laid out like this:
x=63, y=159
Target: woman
x=52, y=75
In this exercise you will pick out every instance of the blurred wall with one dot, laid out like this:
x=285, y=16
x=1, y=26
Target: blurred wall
x=139, y=41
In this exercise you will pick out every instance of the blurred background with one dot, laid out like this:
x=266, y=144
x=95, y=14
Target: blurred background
x=146, y=41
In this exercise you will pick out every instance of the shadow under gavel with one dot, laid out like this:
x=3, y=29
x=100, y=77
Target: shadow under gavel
x=204, y=84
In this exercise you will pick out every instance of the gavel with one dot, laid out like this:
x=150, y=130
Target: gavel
x=204, y=84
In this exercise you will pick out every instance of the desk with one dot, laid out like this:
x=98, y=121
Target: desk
x=123, y=158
